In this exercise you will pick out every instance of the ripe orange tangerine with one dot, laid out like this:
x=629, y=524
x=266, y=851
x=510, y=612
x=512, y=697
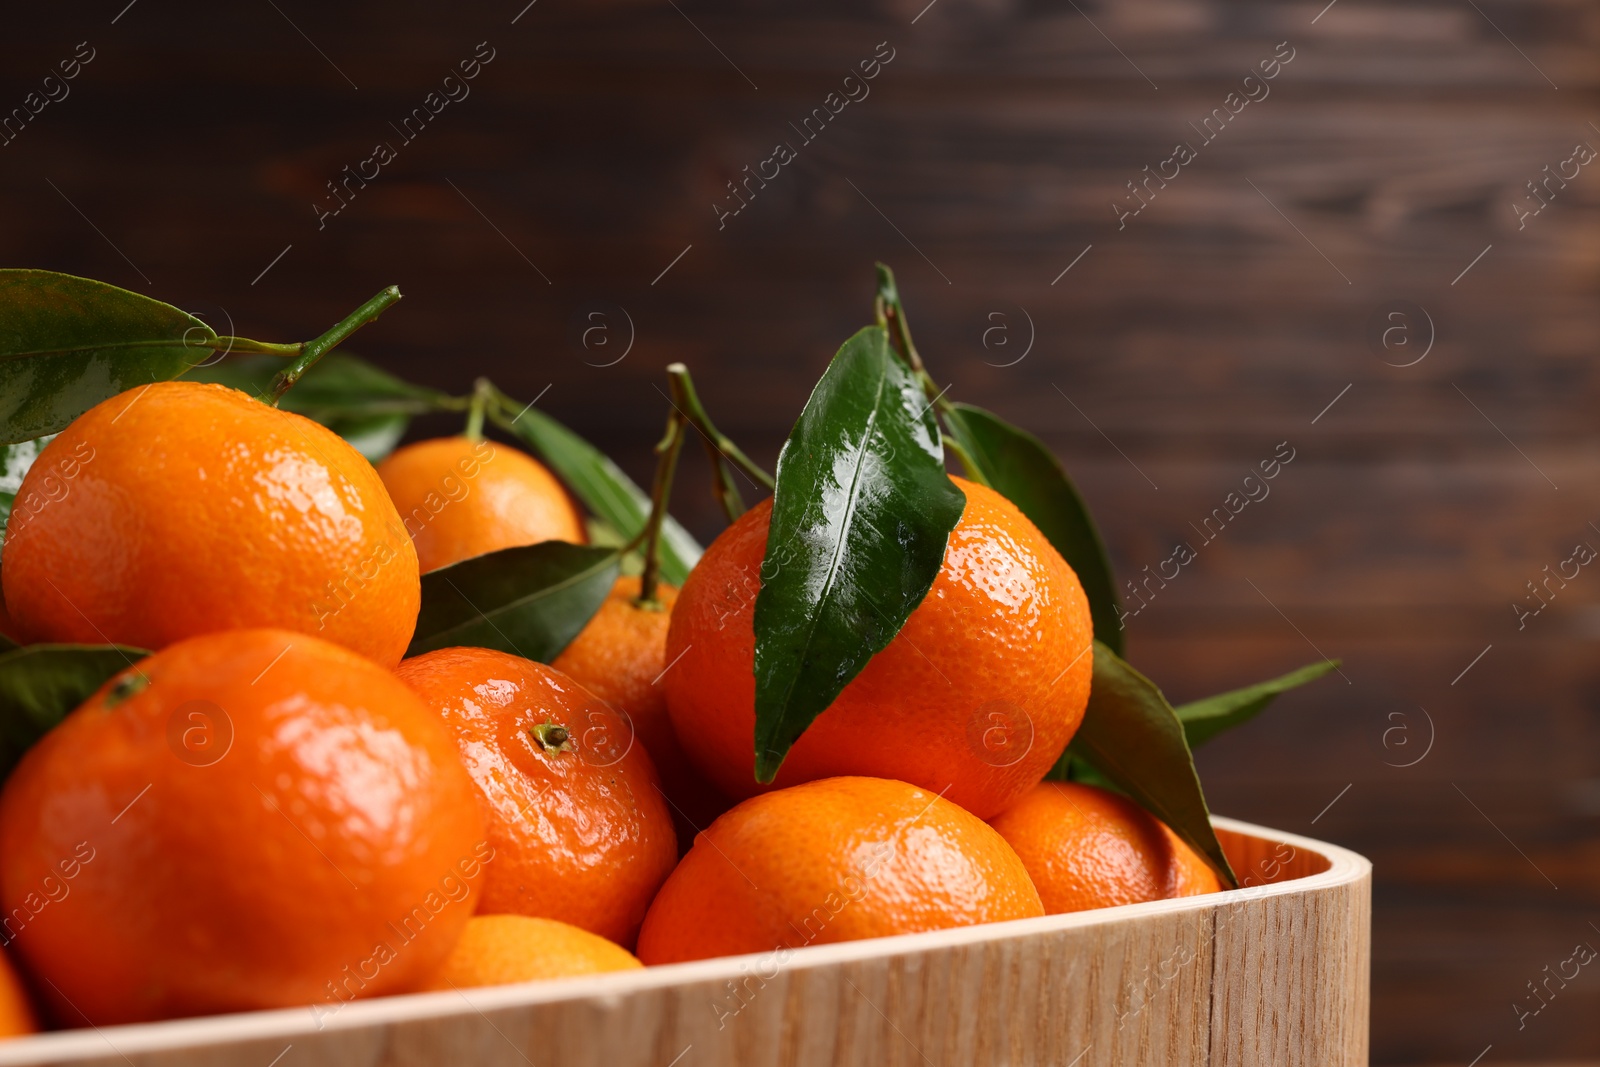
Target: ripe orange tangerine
x=182, y=508
x=500, y=949
x=462, y=498
x=574, y=808
x=1090, y=848
x=834, y=860
x=248, y=819
x=620, y=657
x=974, y=699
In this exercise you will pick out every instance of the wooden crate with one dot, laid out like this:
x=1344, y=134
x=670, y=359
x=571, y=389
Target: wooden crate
x=1275, y=973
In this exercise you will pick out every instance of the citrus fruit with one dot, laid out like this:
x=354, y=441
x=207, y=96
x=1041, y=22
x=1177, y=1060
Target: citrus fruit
x=250, y=819
x=1090, y=848
x=17, y=1016
x=461, y=498
x=1192, y=876
x=575, y=814
x=974, y=699
x=620, y=656
x=834, y=860
x=182, y=508
x=500, y=949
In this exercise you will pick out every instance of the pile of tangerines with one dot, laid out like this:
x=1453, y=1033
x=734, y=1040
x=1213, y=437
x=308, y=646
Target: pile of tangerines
x=276, y=809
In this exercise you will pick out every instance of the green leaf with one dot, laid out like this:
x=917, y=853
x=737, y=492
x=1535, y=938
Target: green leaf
x=67, y=343
x=374, y=436
x=1204, y=719
x=366, y=406
x=1019, y=467
x=1132, y=736
x=530, y=601
x=41, y=684
x=860, y=518
x=15, y=462
x=603, y=487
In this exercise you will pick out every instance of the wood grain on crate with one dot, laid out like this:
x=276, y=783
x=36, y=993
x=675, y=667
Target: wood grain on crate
x=1273, y=974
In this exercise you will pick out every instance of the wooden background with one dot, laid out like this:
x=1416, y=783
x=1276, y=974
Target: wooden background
x=1171, y=358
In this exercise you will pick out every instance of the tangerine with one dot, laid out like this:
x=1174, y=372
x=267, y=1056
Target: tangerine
x=244, y=820
x=501, y=949
x=838, y=859
x=620, y=657
x=182, y=508
x=573, y=805
x=974, y=699
x=1088, y=847
x=462, y=498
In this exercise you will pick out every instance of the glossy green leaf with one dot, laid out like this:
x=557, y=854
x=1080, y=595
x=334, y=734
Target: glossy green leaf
x=860, y=518
x=603, y=487
x=67, y=343
x=15, y=462
x=1204, y=719
x=1132, y=736
x=366, y=406
x=529, y=601
x=1019, y=467
x=41, y=684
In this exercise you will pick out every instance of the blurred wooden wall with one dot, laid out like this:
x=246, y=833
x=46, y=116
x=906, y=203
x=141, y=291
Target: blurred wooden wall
x=580, y=174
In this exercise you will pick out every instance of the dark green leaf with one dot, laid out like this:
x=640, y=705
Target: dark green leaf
x=1019, y=467
x=603, y=487
x=860, y=519
x=15, y=461
x=530, y=601
x=67, y=343
x=374, y=436
x=1131, y=735
x=368, y=407
x=40, y=684
x=1204, y=719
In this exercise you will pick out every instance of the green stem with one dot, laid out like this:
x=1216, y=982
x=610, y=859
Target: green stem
x=690, y=407
x=500, y=404
x=227, y=345
x=970, y=469
x=722, y=486
x=316, y=348
x=670, y=446
x=891, y=315
x=482, y=393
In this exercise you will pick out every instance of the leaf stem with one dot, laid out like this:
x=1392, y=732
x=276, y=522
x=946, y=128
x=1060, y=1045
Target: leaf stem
x=720, y=449
x=226, y=345
x=891, y=315
x=482, y=394
x=670, y=445
x=315, y=349
x=973, y=472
